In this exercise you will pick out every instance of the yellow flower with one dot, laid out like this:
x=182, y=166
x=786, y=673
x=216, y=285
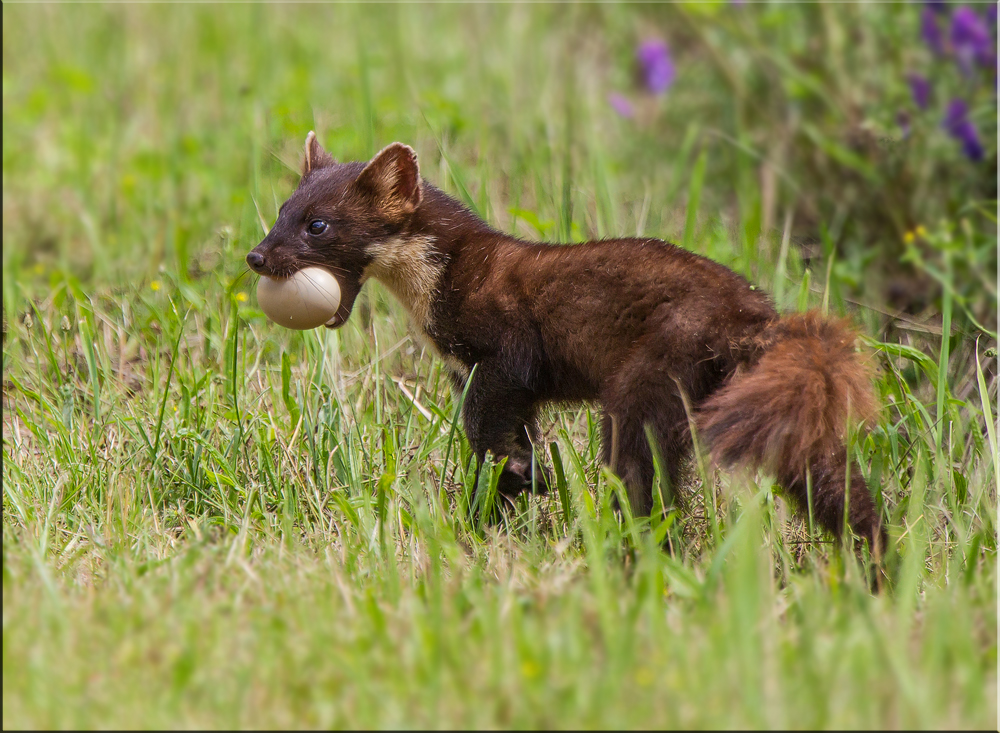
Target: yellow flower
x=155, y=285
x=908, y=237
x=920, y=231
x=241, y=297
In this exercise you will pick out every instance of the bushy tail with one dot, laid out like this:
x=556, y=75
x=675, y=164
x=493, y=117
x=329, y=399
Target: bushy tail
x=789, y=413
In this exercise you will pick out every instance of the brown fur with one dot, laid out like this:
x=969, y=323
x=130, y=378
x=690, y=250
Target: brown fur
x=638, y=325
x=789, y=414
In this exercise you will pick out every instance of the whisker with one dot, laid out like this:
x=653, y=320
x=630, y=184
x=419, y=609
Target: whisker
x=326, y=295
x=325, y=265
x=246, y=271
x=301, y=263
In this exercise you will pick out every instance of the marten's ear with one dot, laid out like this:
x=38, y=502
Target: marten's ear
x=316, y=157
x=392, y=180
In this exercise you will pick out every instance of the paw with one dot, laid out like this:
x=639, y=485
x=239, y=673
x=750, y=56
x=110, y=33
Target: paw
x=516, y=477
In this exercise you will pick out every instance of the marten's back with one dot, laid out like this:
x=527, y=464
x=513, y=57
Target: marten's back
x=592, y=308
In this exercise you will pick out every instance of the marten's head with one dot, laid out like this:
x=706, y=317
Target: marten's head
x=341, y=217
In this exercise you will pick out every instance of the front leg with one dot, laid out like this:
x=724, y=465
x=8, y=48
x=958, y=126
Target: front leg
x=499, y=416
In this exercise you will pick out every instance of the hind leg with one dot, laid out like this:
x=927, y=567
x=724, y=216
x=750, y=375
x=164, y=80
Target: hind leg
x=626, y=450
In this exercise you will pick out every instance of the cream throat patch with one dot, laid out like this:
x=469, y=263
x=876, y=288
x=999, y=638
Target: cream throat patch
x=405, y=265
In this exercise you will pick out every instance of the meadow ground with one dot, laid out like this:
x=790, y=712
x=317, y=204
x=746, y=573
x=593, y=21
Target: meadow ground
x=210, y=521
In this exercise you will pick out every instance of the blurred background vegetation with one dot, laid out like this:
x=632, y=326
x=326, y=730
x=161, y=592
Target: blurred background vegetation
x=176, y=467
x=135, y=135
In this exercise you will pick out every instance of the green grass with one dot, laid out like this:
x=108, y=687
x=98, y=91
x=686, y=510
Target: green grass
x=211, y=521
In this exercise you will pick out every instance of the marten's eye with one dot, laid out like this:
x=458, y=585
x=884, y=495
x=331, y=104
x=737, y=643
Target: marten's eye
x=317, y=227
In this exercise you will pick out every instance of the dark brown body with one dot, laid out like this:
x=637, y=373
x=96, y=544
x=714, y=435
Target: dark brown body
x=626, y=323
x=638, y=325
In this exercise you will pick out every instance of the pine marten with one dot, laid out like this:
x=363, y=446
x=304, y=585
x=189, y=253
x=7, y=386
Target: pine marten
x=637, y=325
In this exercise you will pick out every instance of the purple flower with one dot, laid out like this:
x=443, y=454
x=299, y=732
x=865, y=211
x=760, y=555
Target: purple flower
x=921, y=89
x=620, y=104
x=930, y=31
x=655, y=65
x=940, y=7
x=960, y=127
x=971, y=39
x=971, y=146
x=991, y=16
x=956, y=113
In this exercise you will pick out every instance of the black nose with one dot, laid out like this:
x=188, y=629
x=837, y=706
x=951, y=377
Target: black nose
x=255, y=259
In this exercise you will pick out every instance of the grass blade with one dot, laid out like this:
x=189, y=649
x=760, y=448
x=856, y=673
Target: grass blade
x=694, y=198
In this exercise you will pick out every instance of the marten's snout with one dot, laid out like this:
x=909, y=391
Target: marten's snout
x=256, y=261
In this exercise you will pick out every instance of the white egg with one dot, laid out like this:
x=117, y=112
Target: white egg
x=307, y=299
